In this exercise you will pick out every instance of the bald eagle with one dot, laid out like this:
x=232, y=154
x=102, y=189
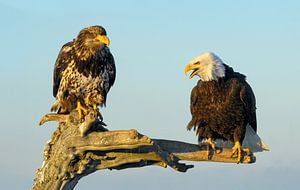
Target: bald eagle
x=83, y=72
x=222, y=103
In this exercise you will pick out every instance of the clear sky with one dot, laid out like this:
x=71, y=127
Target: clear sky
x=151, y=42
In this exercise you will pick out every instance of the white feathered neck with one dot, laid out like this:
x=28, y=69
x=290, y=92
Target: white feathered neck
x=211, y=67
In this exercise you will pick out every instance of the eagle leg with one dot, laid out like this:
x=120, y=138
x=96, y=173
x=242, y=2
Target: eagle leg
x=211, y=143
x=211, y=148
x=80, y=109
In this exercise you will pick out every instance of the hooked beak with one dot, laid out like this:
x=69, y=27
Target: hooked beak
x=189, y=67
x=103, y=39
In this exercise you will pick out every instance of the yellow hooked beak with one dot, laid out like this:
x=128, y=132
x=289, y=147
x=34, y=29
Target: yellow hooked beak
x=103, y=39
x=191, y=66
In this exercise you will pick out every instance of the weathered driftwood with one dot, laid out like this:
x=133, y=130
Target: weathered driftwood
x=78, y=149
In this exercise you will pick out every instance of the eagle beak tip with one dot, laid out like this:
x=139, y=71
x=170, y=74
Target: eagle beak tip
x=186, y=69
x=104, y=39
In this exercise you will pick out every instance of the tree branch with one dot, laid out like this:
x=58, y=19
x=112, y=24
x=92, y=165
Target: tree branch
x=78, y=149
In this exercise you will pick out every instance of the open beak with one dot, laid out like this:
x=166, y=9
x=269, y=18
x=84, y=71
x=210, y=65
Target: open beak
x=189, y=67
x=103, y=39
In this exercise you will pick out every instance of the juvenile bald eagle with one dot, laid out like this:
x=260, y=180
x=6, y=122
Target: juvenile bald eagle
x=83, y=72
x=222, y=103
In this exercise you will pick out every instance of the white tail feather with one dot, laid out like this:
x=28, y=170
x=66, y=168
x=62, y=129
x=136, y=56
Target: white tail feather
x=251, y=141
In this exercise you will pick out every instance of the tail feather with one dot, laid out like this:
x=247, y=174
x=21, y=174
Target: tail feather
x=251, y=141
x=55, y=107
x=190, y=125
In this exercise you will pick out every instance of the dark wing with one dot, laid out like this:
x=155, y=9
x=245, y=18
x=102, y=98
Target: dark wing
x=193, y=107
x=111, y=67
x=108, y=75
x=62, y=61
x=248, y=98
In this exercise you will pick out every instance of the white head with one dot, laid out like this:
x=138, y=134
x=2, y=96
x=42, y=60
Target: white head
x=207, y=66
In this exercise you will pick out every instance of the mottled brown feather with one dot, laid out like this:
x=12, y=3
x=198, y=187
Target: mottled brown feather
x=61, y=63
x=84, y=71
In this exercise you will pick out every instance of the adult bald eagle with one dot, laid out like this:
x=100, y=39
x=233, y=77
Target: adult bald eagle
x=83, y=72
x=222, y=103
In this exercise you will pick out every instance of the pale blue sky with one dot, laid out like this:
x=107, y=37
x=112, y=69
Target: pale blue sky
x=151, y=43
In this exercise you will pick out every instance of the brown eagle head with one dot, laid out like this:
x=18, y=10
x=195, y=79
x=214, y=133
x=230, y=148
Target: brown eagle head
x=89, y=40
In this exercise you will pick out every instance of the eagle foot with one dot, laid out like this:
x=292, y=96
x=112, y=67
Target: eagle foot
x=211, y=148
x=239, y=152
x=81, y=111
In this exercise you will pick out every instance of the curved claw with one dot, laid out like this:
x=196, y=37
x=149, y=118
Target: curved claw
x=211, y=143
x=211, y=148
x=239, y=152
x=81, y=109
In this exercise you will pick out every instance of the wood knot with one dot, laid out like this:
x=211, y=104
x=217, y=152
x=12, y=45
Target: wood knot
x=133, y=134
x=147, y=140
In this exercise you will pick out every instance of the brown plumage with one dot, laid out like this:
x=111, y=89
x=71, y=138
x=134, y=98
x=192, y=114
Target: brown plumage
x=222, y=103
x=84, y=72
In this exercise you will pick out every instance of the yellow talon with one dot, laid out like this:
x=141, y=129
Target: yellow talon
x=237, y=149
x=80, y=109
x=95, y=107
x=211, y=143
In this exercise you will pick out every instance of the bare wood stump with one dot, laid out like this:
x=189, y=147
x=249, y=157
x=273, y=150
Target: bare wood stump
x=78, y=149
